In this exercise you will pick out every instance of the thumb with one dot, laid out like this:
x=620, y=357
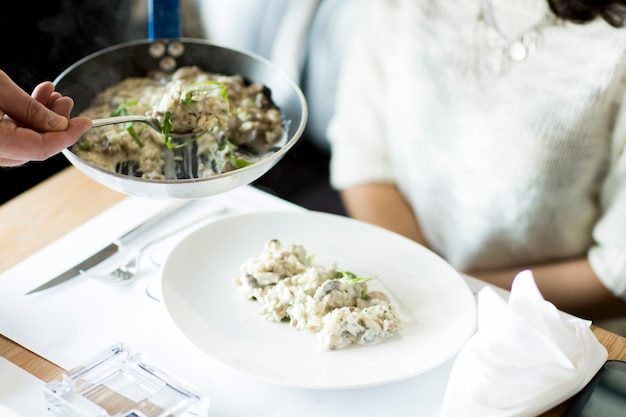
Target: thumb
x=27, y=111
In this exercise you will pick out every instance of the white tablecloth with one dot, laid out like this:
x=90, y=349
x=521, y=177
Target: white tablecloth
x=72, y=322
x=20, y=392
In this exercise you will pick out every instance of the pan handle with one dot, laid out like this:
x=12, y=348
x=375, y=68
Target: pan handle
x=164, y=19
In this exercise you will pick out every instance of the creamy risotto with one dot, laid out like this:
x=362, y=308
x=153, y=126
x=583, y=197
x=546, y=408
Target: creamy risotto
x=335, y=304
x=237, y=124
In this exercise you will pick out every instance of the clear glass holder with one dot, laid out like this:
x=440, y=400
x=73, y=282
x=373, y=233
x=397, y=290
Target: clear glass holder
x=117, y=383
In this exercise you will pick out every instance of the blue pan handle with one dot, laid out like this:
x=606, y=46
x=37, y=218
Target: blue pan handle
x=164, y=19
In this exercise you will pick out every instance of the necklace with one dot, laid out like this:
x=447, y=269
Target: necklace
x=503, y=50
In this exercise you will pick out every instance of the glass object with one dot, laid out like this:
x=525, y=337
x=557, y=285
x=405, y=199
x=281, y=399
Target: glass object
x=118, y=383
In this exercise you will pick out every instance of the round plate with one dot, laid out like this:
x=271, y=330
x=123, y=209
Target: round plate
x=201, y=298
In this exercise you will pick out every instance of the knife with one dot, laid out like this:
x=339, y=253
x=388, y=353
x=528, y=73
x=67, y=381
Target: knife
x=109, y=250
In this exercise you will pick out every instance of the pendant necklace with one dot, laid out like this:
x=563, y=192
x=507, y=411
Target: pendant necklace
x=501, y=50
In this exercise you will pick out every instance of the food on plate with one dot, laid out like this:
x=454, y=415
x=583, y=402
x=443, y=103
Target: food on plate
x=236, y=121
x=335, y=304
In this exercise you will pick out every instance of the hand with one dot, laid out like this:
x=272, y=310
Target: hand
x=34, y=128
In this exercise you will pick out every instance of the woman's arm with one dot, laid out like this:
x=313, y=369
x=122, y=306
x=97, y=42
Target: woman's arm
x=570, y=285
x=383, y=205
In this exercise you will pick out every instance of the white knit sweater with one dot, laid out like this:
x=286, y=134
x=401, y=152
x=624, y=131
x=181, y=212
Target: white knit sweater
x=501, y=170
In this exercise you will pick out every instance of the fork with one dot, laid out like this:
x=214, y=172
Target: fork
x=127, y=271
x=150, y=121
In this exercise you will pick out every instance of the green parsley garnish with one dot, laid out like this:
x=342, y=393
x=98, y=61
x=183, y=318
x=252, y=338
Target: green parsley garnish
x=84, y=144
x=131, y=131
x=232, y=158
x=166, y=128
x=122, y=110
x=352, y=279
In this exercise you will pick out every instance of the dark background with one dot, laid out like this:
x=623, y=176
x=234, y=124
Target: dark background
x=42, y=38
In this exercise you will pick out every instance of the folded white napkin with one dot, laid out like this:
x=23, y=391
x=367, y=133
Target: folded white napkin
x=525, y=358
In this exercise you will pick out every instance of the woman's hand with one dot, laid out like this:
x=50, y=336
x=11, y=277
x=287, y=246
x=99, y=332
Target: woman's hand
x=34, y=128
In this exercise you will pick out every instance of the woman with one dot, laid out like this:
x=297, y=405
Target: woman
x=492, y=131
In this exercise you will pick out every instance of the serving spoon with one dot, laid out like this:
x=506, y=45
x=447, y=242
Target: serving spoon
x=150, y=121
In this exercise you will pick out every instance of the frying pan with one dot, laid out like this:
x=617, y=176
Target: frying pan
x=94, y=73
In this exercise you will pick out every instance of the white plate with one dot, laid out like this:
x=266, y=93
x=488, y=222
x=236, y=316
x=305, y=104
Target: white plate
x=201, y=298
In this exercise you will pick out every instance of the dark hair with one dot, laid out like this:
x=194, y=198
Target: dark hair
x=582, y=11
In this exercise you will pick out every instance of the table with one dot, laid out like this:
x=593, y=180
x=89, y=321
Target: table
x=46, y=212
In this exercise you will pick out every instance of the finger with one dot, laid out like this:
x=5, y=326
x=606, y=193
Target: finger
x=43, y=92
x=22, y=144
x=62, y=106
x=5, y=162
x=78, y=126
x=27, y=110
x=53, y=97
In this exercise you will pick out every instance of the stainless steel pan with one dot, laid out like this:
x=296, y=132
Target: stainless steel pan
x=89, y=76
